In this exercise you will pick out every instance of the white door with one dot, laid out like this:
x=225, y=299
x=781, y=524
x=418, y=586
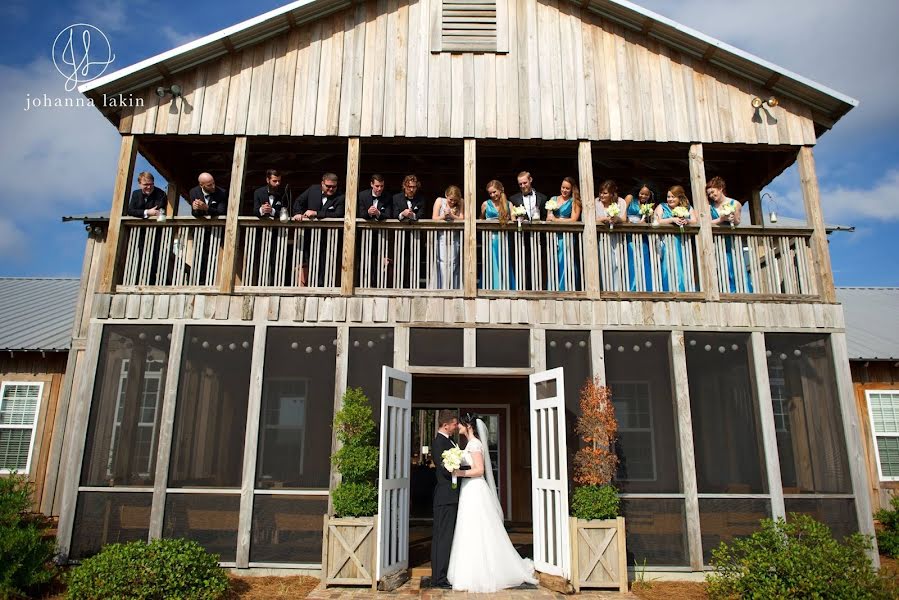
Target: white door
x=549, y=472
x=393, y=474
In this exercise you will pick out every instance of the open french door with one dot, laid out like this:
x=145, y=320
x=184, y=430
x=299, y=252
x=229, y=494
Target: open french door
x=393, y=475
x=549, y=468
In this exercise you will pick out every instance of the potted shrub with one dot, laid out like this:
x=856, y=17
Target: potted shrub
x=349, y=545
x=598, y=557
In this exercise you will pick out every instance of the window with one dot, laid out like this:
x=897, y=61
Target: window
x=883, y=408
x=633, y=407
x=151, y=395
x=778, y=396
x=19, y=405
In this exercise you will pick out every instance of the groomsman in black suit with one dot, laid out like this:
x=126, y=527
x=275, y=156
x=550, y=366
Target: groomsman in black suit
x=409, y=205
x=320, y=201
x=272, y=197
x=148, y=200
x=374, y=204
x=446, y=500
x=207, y=199
x=535, y=204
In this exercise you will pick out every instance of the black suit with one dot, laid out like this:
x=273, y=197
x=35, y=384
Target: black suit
x=217, y=202
x=364, y=202
x=324, y=206
x=279, y=198
x=446, y=505
x=518, y=200
x=139, y=203
x=401, y=203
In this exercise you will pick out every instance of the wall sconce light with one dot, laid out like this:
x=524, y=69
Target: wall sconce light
x=772, y=203
x=772, y=101
x=175, y=91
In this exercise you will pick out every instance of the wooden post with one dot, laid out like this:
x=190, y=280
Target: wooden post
x=229, y=251
x=756, y=212
x=348, y=270
x=166, y=428
x=172, y=198
x=73, y=451
x=470, y=246
x=588, y=214
x=678, y=365
x=855, y=449
x=598, y=354
x=340, y=383
x=820, y=251
x=758, y=374
x=127, y=155
x=538, y=350
x=251, y=446
x=706, y=246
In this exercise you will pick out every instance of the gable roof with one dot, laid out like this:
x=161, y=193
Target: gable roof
x=37, y=313
x=872, y=322
x=827, y=105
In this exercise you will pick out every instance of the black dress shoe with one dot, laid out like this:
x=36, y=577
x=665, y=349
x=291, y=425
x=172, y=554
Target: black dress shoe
x=443, y=586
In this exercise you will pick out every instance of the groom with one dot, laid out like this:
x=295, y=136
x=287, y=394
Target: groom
x=446, y=500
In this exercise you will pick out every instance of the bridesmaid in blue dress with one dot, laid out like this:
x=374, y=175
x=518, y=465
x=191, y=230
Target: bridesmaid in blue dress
x=568, y=211
x=497, y=209
x=715, y=189
x=644, y=196
x=664, y=215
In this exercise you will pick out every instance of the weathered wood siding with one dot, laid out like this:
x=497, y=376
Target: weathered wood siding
x=872, y=376
x=369, y=71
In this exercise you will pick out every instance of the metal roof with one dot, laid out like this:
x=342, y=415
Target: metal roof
x=827, y=105
x=872, y=322
x=36, y=313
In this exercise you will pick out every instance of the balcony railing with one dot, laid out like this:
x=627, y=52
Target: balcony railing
x=536, y=258
x=426, y=255
x=641, y=258
x=290, y=255
x=180, y=253
x=429, y=257
x=759, y=262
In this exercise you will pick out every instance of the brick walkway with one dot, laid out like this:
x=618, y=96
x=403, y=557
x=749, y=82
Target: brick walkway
x=411, y=589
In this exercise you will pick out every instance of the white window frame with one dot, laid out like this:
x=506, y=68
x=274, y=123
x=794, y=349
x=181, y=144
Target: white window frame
x=650, y=430
x=876, y=435
x=32, y=427
x=117, y=422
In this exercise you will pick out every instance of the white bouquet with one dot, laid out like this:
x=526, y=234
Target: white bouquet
x=681, y=212
x=646, y=210
x=519, y=213
x=452, y=460
x=612, y=211
x=551, y=204
x=725, y=210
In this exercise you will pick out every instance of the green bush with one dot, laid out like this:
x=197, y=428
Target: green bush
x=357, y=458
x=26, y=549
x=355, y=499
x=888, y=537
x=171, y=568
x=798, y=558
x=595, y=502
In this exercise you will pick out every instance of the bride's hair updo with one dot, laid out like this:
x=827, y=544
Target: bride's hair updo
x=470, y=419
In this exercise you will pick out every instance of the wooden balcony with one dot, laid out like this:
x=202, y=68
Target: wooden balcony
x=429, y=258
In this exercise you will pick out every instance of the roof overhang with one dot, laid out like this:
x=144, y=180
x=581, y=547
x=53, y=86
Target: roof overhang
x=827, y=105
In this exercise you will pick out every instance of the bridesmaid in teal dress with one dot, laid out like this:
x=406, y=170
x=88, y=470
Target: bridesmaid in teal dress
x=497, y=209
x=664, y=215
x=715, y=190
x=568, y=211
x=644, y=196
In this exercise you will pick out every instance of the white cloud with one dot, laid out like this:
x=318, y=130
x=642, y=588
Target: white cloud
x=109, y=15
x=175, y=37
x=12, y=240
x=53, y=160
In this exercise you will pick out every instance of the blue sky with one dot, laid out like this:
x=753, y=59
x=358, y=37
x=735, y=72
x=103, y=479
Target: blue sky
x=62, y=161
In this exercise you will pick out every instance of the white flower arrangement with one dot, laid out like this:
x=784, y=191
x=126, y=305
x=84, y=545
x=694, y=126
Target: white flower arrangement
x=681, y=212
x=452, y=460
x=725, y=210
x=519, y=213
x=613, y=211
x=551, y=204
x=646, y=210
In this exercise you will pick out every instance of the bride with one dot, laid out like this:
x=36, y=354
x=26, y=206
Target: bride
x=482, y=558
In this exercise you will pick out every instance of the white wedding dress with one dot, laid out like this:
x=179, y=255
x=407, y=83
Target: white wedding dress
x=483, y=558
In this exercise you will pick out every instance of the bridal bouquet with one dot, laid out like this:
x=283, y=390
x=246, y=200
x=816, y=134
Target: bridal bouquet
x=519, y=213
x=551, y=204
x=681, y=212
x=725, y=210
x=612, y=212
x=646, y=210
x=452, y=460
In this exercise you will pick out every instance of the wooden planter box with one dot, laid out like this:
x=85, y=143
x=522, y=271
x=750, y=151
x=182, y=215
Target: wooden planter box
x=349, y=551
x=598, y=556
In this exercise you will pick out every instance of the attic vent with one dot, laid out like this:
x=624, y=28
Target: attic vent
x=469, y=26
